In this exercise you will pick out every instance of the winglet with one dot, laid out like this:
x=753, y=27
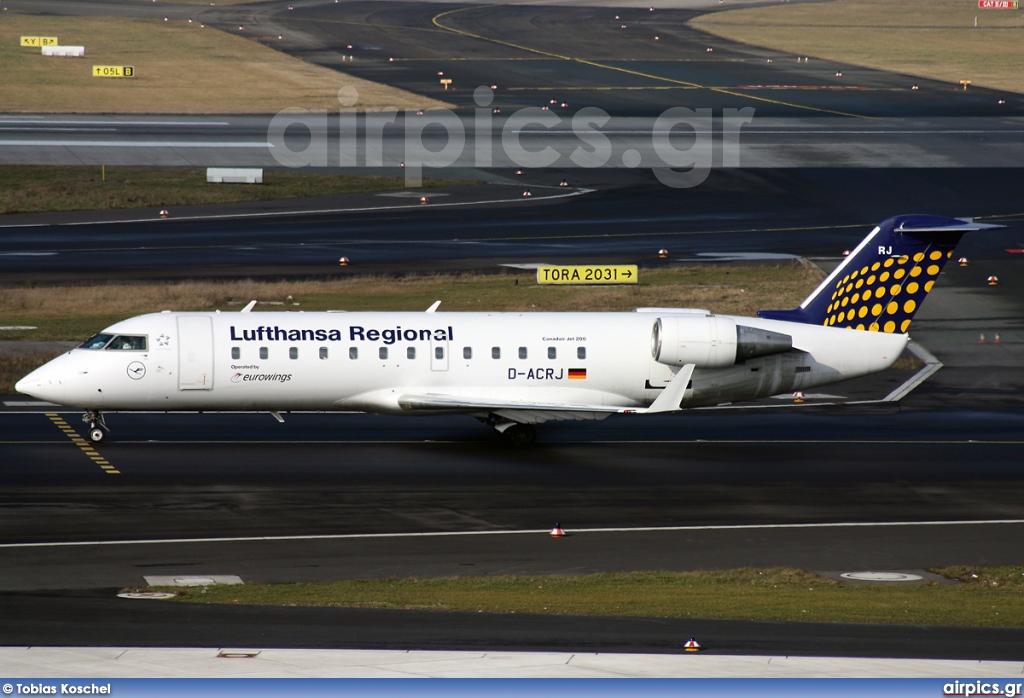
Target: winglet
x=433, y=307
x=249, y=307
x=670, y=398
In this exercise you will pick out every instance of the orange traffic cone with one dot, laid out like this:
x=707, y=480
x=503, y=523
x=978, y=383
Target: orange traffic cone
x=993, y=281
x=662, y=254
x=691, y=646
x=163, y=213
x=962, y=261
x=998, y=339
x=798, y=396
x=343, y=262
x=557, y=531
x=981, y=340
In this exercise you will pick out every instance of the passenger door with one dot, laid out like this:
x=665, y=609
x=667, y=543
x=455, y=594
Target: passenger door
x=195, y=352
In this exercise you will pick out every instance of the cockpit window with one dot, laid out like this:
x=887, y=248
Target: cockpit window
x=96, y=342
x=126, y=342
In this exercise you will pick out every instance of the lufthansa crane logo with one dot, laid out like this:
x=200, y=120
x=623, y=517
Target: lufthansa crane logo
x=136, y=370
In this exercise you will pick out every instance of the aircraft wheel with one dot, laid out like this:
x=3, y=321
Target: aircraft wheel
x=96, y=435
x=522, y=434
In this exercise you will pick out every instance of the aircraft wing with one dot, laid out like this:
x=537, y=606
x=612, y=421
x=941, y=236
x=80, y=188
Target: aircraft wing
x=516, y=410
x=535, y=412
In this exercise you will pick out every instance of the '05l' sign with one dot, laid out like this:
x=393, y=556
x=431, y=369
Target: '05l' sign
x=113, y=71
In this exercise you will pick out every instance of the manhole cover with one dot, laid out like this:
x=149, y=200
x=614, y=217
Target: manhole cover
x=881, y=576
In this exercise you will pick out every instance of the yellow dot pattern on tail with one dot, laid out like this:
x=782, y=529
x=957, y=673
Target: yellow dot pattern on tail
x=884, y=295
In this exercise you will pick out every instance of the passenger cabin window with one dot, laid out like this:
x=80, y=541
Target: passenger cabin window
x=293, y=352
x=383, y=353
x=96, y=342
x=323, y=352
x=236, y=353
x=127, y=343
x=467, y=352
x=581, y=352
x=438, y=352
x=552, y=353
x=495, y=352
x=263, y=352
x=353, y=353
x=410, y=353
x=522, y=352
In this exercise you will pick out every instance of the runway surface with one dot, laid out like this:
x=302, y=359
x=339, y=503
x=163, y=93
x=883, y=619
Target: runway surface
x=935, y=478
x=810, y=212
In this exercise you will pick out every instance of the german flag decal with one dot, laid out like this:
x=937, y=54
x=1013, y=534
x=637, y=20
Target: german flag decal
x=579, y=373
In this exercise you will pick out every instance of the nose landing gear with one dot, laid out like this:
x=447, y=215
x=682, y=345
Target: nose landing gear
x=97, y=427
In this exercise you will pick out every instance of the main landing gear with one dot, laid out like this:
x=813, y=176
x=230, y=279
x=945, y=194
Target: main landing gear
x=521, y=434
x=518, y=433
x=97, y=427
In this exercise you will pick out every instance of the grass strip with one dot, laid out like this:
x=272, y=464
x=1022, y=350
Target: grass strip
x=991, y=597
x=936, y=39
x=43, y=189
x=76, y=312
x=181, y=67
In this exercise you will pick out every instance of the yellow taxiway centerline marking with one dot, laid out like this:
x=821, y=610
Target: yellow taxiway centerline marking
x=632, y=72
x=807, y=88
x=82, y=444
x=434, y=59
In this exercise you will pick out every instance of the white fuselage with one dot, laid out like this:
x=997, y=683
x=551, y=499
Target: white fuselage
x=369, y=361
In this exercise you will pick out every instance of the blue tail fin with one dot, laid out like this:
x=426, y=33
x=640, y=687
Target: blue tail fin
x=883, y=282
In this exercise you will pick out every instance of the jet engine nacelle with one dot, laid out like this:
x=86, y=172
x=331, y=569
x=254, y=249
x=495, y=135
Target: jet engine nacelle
x=712, y=342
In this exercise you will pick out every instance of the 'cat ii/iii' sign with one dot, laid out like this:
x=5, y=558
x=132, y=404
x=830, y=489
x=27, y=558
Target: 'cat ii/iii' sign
x=113, y=71
x=997, y=4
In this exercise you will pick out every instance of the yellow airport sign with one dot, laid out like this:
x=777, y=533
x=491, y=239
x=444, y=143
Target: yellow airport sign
x=588, y=274
x=38, y=41
x=113, y=71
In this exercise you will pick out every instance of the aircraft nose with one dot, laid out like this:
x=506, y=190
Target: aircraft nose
x=45, y=383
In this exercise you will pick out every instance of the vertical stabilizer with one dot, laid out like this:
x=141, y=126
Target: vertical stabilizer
x=882, y=283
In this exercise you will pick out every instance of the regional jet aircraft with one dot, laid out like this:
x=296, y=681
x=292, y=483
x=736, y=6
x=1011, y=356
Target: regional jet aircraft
x=511, y=370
